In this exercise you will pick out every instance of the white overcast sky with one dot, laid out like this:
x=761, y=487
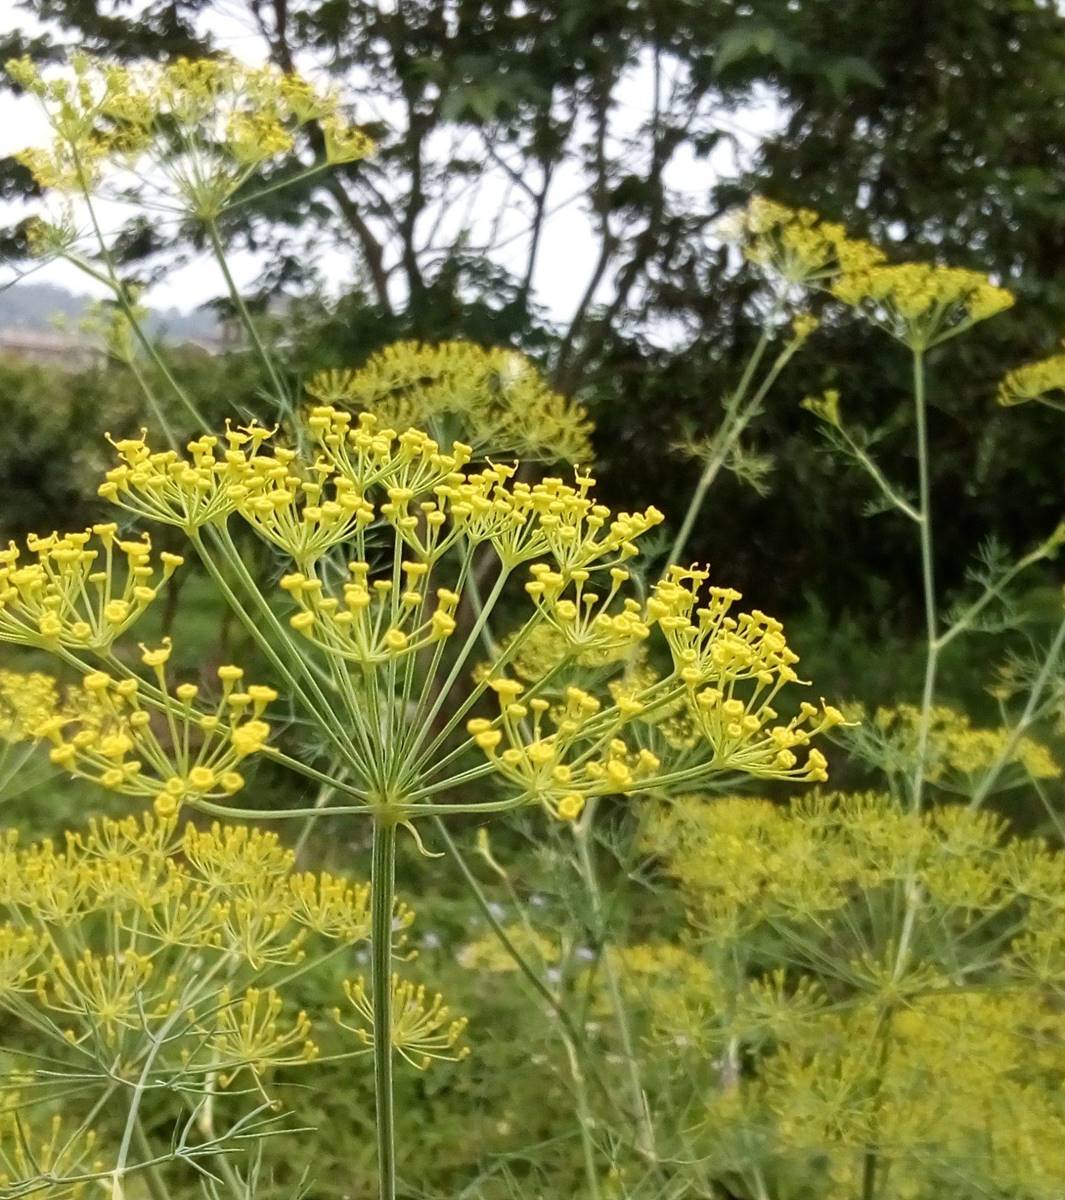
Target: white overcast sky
x=568, y=247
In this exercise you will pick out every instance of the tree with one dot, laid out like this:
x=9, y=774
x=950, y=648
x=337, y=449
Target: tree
x=522, y=110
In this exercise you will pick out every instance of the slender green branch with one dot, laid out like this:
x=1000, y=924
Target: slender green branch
x=1028, y=713
x=991, y=592
x=382, y=901
x=645, y=1133
x=927, y=577
x=280, y=391
x=738, y=416
x=122, y=297
x=879, y=478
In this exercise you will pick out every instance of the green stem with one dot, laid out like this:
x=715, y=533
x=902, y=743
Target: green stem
x=1028, y=714
x=585, y=1118
x=913, y=891
x=156, y=1187
x=280, y=392
x=520, y=961
x=122, y=296
x=927, y=577
x=737, y=417
x=382, y=893
x=325, y=794
x=645, y=1134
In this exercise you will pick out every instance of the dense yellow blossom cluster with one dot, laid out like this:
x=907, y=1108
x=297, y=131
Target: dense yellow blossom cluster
x=955, y=753
x=355, y=483
x=192, y=912
x=188, y=492
x=941, y=1072
x=230, y=120
x=107, y=735
x=137, y=935
x=1043, y=381
x=83, y=591
x=797, y=245
x=423, y=1029
x=921, y=304
x=743, y=862
x=493, y=398
x=26, y=702
x=160, y=960
x=567, y=747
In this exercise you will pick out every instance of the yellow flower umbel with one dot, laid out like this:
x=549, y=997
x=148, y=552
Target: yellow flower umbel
x=230, y=119
x=27, y=701
x=943, y=1067
x=919, y=304
x=415, y=517
x=83, y=591
x=184, y=755
x=566, y=747
x=795, y=245
x=155, y=966
x=184, y=491
x=956, y=754
x=1042, y=382
x=495, y=399
x=423, y=1029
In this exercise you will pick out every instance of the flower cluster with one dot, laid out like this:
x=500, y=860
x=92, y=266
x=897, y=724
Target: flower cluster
x=372, y=622
x=945, y=1063
x=84, y=590
x=745, y=862
x=187, y=492
x=495, y=399
x=564, y=748
x=796, y=245
x=1034, y=381
x=191, y=910
x=417, y=517
x=423, y=1029
x=733, y=668
x=26, y=702
x=956, y=754
x=153, y=962
x=580, y=758
x=185, y=135
x=185, y=754
x=920, y=304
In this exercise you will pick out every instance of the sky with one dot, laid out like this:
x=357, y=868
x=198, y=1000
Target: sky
x=569, y=246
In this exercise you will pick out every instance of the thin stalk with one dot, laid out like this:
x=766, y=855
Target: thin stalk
x=121, y=295
x=382, y=894
x=325, y=794
x=737, y=417
x=913, y=892
x=532, y=976
x=645, y=1134
x=1028, y=713
x=156, y=1188
x=280, y=391
x=585, y=1119
x=927, y=576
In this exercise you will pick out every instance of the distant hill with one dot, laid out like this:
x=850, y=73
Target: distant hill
x=35, y=306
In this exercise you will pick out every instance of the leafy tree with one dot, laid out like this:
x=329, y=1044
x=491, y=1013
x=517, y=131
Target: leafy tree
x=525, y=108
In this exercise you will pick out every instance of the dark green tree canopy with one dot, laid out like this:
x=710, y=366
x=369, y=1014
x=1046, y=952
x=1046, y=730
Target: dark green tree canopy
x=938, y=129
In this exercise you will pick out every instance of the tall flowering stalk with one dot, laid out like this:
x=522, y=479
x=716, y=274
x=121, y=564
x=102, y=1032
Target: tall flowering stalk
x=382, y=531
x=363, y=649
